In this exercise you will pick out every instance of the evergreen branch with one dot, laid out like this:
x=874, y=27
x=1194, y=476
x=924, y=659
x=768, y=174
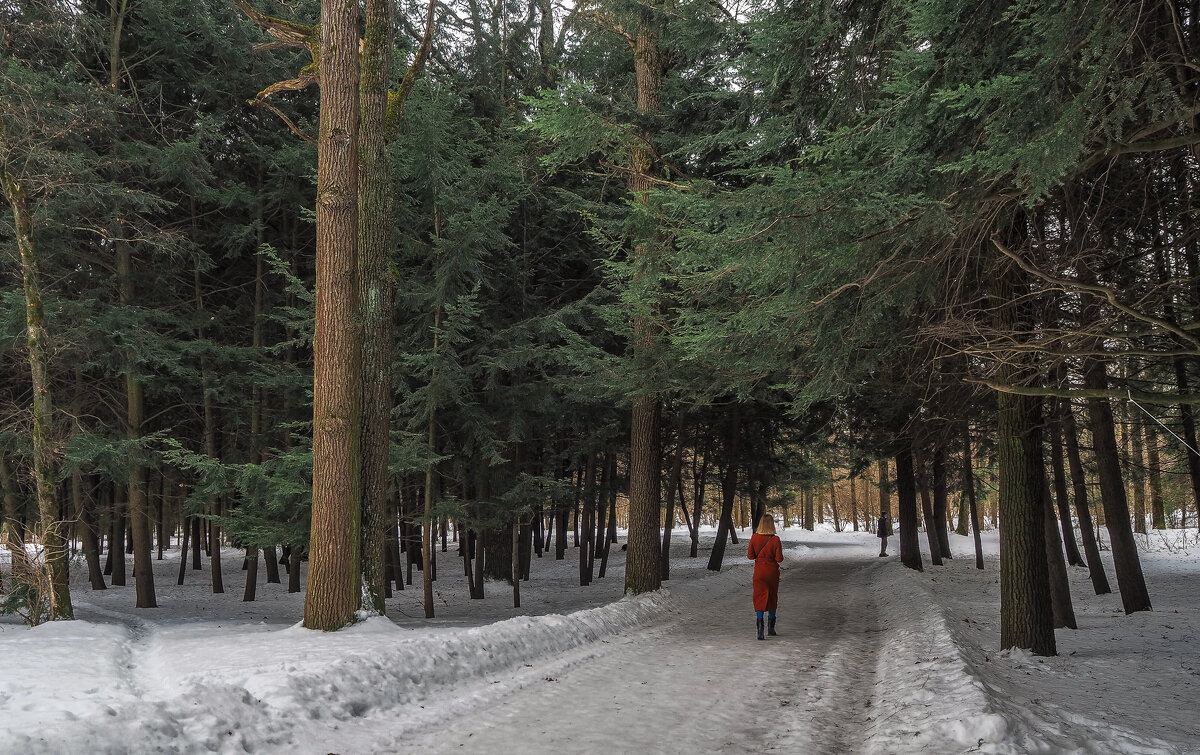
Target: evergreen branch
x=1107, y=292
x=398, y=99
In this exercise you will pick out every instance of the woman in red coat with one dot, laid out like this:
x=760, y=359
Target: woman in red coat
x=766, y=551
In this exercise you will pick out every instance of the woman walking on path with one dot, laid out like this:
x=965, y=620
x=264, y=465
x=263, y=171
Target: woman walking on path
x=766, y=552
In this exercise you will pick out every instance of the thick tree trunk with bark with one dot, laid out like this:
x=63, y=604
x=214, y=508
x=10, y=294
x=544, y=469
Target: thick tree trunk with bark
x=1130, y=581
x=377, y=291
x=334, y=574
x=1026, y=612
x=906, y=495
x=645, y=467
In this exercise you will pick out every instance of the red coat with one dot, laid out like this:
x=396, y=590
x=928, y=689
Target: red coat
x=766, y=552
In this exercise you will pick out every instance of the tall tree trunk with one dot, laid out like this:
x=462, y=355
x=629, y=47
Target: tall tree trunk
x=45, y=444
x=377, y=291
x=728, y=490
x=1158, y=510
x=1130, y=581
x=669, y=519
x=906, y=497
x=940, y=496
x=1026, y=611
x=969, y=493
x=334, y=570
x=1136, y=467
x=885, y=512
x=1060, y=487
x=116, y=540
x=588, y=515
x=699, y=480
x=1087, y=532
x=1060, y=589
x=935, y=547
x=84, y=507
x=645, y=466
x=854, y=502
x=251, y=574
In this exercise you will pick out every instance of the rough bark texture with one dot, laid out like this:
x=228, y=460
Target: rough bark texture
x=642, y=561
x=334, y=574
x=1026, y=613
x=1130, y=581
x=377, y=291
x=45, y=461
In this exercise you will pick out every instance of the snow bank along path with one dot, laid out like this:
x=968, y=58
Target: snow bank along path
x=871, y=658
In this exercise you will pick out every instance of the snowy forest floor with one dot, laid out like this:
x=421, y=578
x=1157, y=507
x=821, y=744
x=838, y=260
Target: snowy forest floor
x=871, y=658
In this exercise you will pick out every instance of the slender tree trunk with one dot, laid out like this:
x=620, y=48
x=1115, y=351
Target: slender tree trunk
x=116, y=541
x=969, y=493
x=45, y=444
x=516, y=562
x=940, y=497
x=1060, y=589
x=1060, y=488
x=669, y=519
x=183, y=550
x=854, y=502
x=1136, y=466
x=728, y=491
x=1087, y=532
x=931, y=537
x=334, y=566
x=699, y=480
x=588, y=514
x=84, y=508
x=196, y=547
x=885, y=507
x=1158, y=510
x=1130, y=581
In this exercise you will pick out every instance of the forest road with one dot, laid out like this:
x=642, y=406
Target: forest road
x=698, y=681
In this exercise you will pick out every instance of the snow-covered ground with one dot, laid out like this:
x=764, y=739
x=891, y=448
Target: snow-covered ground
x=871, y=658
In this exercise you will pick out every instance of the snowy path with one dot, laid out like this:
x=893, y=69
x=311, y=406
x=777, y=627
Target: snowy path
x=872, y=658
x=700, y=681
